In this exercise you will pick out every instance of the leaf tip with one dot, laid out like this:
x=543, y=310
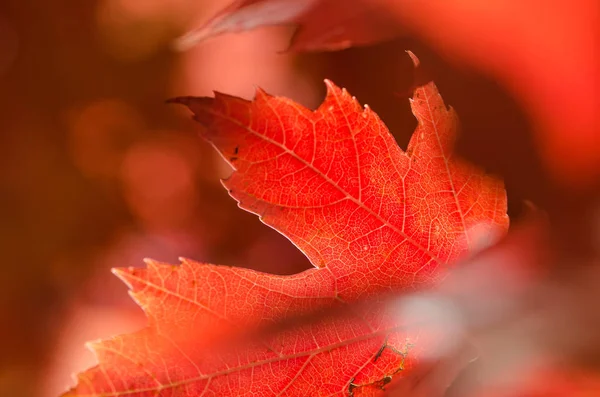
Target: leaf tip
x=149, y=262
x=335, y=95
x=330, y=85
x=332, y=88
x=185, y=261
x=414, y=58
x=190, y=39
x=94, y=346
x=260, y=94
x=129, y=275
x=118, y=271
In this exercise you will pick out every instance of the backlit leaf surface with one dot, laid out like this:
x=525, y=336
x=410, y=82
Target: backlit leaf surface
x=371, y=218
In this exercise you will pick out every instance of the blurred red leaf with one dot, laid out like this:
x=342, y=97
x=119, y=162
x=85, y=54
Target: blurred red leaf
x=371, y=218
x=557, y=382
x=563, y=382
x=322, y=24
x=546, y=53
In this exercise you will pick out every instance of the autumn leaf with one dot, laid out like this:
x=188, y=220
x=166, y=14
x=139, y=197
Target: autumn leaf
x=371, y=218
x=322, y=24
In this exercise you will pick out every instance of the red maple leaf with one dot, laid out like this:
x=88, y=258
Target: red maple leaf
x=371, y=218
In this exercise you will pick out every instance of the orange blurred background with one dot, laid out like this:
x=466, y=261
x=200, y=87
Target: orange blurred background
x=99, y=172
